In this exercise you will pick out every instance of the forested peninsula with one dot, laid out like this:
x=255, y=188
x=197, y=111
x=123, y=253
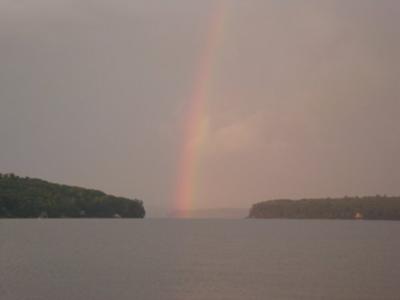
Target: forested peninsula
x=36, y=198
x=368, y=208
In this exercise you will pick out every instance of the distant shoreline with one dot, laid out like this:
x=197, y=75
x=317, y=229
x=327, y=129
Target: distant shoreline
x=348, y=208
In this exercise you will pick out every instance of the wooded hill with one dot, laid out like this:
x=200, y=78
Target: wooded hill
x=34, y=198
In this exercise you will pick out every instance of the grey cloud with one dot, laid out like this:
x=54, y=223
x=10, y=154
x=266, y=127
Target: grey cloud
x=305, y=98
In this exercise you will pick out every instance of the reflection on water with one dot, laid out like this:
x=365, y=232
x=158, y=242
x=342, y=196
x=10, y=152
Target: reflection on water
x=199, y=259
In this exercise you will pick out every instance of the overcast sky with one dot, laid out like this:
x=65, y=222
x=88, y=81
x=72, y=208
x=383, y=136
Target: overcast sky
x=305, y=98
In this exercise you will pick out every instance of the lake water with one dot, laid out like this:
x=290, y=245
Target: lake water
x=199, y=259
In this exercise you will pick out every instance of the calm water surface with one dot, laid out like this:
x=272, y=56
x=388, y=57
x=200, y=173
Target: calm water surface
x=199, y=259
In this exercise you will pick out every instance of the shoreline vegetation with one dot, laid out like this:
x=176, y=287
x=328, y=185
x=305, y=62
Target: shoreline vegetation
x=24, y=197
x=347, y=208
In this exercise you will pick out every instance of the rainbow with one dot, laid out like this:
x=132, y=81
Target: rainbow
x=195, y=116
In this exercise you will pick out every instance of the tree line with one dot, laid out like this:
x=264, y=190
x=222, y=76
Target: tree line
x=35, y=198
x=371, y=208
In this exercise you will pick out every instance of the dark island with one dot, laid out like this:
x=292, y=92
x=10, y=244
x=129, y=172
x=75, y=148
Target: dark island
x=368, y=208
x=36, y=198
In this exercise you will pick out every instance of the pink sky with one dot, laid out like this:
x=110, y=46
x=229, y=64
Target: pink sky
x=303, y=98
